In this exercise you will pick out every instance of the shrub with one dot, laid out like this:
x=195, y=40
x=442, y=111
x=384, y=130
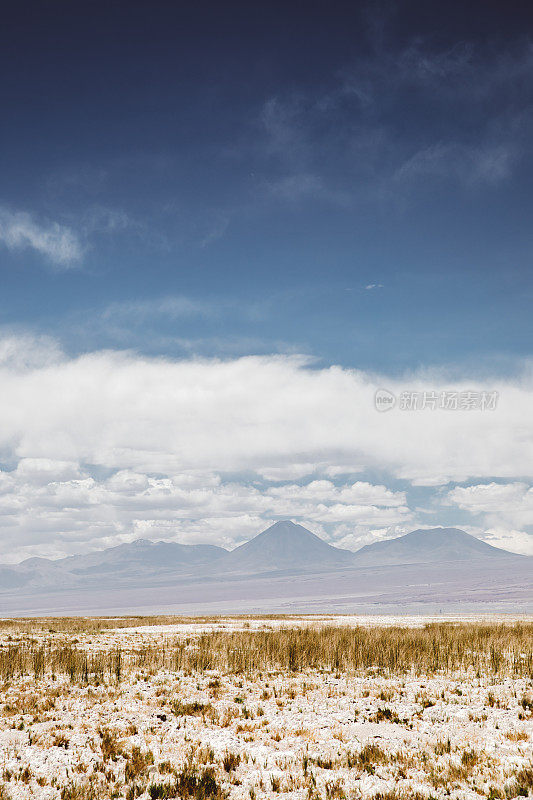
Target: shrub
x=137, y=763
x=110, y=744
x=76, y=791
x=384, y=715
x=367, y=758
x=193, y=709
x=523, y=783
x=188, y=783
x=231, y=761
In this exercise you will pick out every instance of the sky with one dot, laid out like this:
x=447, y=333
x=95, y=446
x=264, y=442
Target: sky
x=223, y=228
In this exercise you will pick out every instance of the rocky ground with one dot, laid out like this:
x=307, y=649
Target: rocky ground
x=312, y=734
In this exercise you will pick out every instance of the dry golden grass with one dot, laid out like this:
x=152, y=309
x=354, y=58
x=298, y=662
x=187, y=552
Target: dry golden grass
x=98, y=624
x=436, y=648
x=517, y=736
x=492, y=649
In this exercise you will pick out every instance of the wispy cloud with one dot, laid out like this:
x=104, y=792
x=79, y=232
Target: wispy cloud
x=57, y=243
x=284, y=122
x=19, y=352
x=100, y=219
x=463, y=114
x=173, y=307
x=216, y=230
x=294, y=188
x=465, y=163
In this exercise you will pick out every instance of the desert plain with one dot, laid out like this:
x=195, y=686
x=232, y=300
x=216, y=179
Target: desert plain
x=314, y=707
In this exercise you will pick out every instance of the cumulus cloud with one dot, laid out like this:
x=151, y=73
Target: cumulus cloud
x=65, y=502
x=511, y=500
x=506, y=509
x=126, y=411
x=515, y=541
x=58, y=243
x=323, y=491
x=353, y=537
x=174, y=445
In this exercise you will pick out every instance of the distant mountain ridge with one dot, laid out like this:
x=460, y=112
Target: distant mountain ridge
x=428, y=545
x=158, y=555
x=134, y=560
x=284, y=549
x=283, y=546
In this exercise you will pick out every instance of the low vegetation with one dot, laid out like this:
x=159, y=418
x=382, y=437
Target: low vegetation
x=436, y=648
x=317, y=712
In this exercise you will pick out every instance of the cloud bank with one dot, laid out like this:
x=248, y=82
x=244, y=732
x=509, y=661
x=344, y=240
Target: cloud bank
x=111, y=445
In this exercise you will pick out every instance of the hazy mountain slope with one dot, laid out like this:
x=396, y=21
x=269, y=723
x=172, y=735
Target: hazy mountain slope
x=285, y=546
x=11, y=579
x=436, y=545
x=464, y=587
x=138, y=562
x=143, y=555
x=281, y=564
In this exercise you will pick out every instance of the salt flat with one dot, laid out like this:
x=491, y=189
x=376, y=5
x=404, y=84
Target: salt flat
x=158, y=711
x=258, y=622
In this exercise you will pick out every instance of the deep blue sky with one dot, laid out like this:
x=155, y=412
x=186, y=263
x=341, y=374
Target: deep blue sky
x=233, y=177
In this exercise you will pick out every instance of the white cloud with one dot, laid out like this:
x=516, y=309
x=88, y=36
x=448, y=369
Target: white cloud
x=58, y=243
x=497, y=498
x=334, y=470
x=63, y=504
x=512, y=502
x=353, y=537
x=22, y=352
x=326, y=491
x=287, y=472
x=41, y=471
x=509, y=539
x=506, y=509
x=161, y=434
x=126, y=411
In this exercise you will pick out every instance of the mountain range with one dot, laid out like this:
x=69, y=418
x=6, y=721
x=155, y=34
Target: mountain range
x=283, y=561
